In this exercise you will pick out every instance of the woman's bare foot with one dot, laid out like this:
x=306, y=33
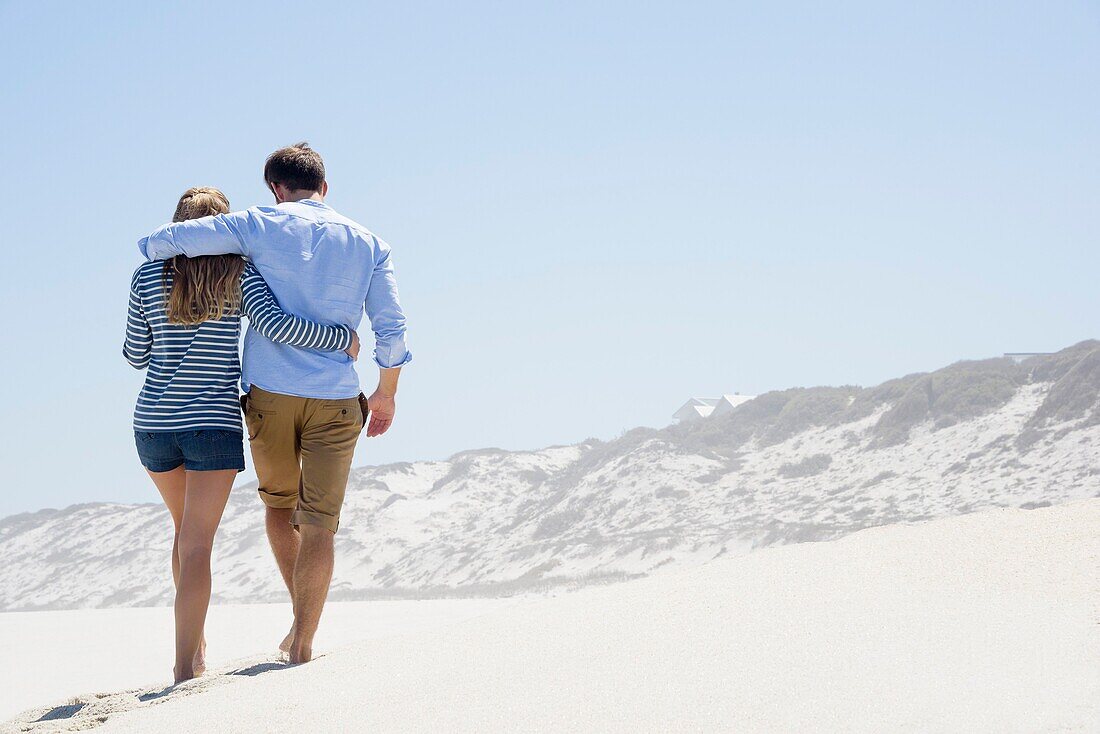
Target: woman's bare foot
x=183, y=673
x=198, y=666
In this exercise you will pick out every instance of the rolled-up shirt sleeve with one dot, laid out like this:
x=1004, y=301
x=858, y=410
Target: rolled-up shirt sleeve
x=387, y=319
x=221, y=234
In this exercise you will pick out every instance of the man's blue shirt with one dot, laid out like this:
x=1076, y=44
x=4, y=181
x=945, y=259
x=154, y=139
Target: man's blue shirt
x=319, y=265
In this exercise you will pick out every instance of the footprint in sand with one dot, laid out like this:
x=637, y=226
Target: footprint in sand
x=90, y=710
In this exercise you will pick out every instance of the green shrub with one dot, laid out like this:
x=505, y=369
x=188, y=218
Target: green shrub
x=955, y=393
x=1074, y=393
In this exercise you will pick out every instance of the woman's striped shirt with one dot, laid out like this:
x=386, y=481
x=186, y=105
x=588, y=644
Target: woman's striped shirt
x=194, y=370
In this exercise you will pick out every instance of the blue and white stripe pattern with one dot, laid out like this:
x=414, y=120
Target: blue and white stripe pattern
x=194, y=370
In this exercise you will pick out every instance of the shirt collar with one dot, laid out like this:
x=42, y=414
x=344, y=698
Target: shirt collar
x=311, y=202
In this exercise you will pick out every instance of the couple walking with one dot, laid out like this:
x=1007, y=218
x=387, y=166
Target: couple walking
x=303, y=275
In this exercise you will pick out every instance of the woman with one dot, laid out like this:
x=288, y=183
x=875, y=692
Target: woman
x=184, y=324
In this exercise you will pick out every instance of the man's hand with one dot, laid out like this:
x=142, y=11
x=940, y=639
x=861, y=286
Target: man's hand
x=353, y=350
x=382, y=408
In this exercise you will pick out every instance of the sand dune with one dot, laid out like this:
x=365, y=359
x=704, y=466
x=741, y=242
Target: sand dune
x=985, y=622
x=787, y=467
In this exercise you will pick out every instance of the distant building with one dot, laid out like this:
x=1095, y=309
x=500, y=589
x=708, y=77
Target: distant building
x=696, y=408
x=726, y=403
x=1018, y=357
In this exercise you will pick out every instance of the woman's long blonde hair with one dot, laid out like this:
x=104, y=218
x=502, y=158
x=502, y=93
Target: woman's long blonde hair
x=203, y=288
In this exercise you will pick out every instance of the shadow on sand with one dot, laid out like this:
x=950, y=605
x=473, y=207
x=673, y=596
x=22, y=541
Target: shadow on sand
x=154, y=695
x=61, y=712
x=92, y=711
x=259, y=668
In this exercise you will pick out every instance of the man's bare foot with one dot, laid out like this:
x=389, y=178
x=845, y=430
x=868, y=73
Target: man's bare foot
x=198, y=666
x=287, y=643
x=300, y=654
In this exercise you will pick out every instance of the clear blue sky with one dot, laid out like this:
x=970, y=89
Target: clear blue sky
x=596, y=209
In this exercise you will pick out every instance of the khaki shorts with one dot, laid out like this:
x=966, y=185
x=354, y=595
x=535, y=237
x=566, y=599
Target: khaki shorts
x=302, y=449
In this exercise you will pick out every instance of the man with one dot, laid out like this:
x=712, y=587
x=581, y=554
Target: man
x=301, y=405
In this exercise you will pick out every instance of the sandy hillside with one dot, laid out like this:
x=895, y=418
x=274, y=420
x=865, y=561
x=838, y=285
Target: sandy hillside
x=804, y=464
x=988, y=622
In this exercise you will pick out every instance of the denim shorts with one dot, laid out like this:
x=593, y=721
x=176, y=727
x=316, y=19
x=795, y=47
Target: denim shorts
x=206, y=450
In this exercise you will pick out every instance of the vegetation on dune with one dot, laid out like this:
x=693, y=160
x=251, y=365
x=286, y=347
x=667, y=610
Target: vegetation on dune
x=1053, y=367
x=771, y=418
x=808, y=467
x=1076, y=386
x=958, y=392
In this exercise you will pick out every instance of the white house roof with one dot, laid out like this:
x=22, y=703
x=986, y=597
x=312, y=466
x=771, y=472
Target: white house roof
x=702, y=407
x=726, y=403
x=695, y=408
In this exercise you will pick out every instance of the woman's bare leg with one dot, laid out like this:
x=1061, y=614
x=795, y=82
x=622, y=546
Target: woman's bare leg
x=207, y=493
x=172, y=486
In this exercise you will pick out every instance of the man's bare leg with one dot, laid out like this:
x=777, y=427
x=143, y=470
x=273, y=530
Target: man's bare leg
x=285, y=541
x=207, y=493
x=312, y=575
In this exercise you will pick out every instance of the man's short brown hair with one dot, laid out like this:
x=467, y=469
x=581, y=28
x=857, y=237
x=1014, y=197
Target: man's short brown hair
x=296, y=167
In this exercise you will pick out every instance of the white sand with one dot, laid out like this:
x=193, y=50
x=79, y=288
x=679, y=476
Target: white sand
x=53, y=655
x=983, y=623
